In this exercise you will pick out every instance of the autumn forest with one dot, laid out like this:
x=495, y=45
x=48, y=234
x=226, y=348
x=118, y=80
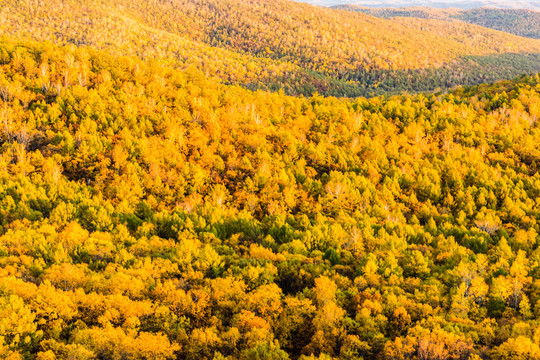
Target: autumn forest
x=267, y=180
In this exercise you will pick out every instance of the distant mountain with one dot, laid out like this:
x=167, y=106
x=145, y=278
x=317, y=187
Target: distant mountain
x=441, y=4
x=514, y=21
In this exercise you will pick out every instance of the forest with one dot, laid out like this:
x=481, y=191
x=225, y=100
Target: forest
x=524, y=23
x=152, y=213
x=282, y=45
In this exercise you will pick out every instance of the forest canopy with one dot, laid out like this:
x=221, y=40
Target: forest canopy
x=151, y=213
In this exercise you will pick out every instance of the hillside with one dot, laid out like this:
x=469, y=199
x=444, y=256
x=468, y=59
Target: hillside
x=519, y=22
x=414, y=12
x=439, y=4
x=524, y=23
x=281, y=44
x=148, y=213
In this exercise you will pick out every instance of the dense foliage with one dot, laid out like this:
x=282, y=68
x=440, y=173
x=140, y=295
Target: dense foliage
x=147, y=213
x=518, y=22
x=280, y=44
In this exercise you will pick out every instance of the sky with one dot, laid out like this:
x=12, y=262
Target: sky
x=463, y=4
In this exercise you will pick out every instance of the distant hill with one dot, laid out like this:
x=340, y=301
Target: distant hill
x=419, y=12
x=279, y=44
x=441, y=4
x=518, y=22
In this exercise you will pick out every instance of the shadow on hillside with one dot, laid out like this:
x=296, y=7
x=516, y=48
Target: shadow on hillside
x=469, y=70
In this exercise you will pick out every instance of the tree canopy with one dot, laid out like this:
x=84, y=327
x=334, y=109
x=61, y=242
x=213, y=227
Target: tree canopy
x=151, y=213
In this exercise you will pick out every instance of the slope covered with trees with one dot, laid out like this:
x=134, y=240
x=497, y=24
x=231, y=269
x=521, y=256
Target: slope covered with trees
x=519, y=22
x=280, y=44
x=524, y=23
x=147, y=213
